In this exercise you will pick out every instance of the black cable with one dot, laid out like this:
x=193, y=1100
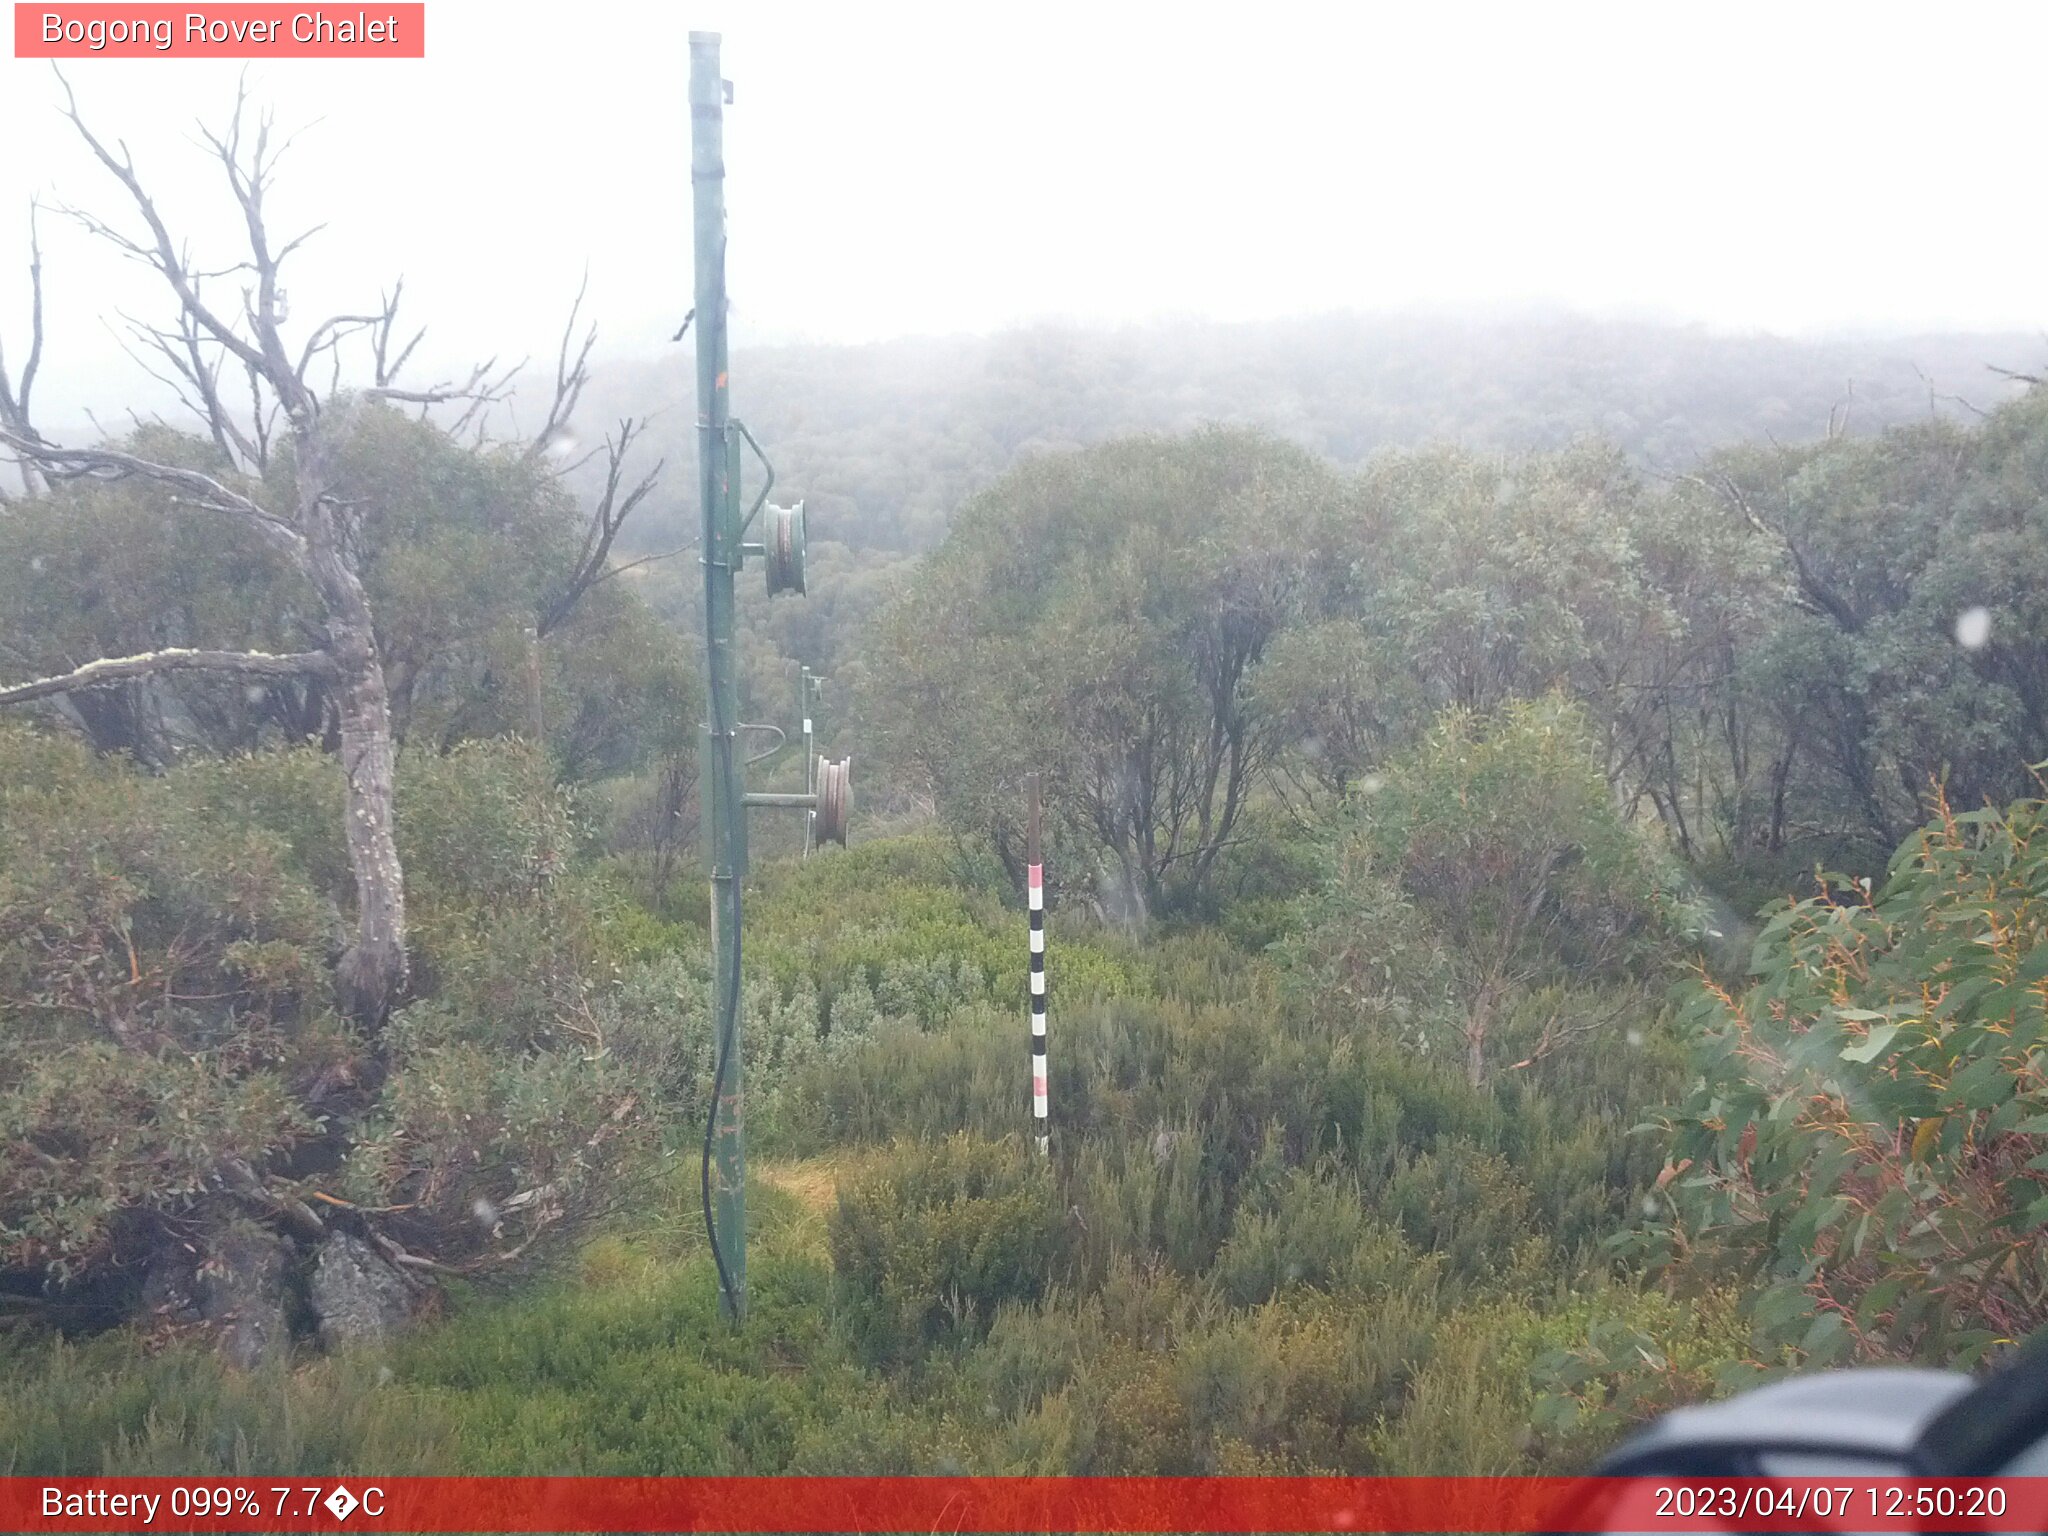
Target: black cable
x=726, y=1025
x=729, y=1007
x=727, y=1022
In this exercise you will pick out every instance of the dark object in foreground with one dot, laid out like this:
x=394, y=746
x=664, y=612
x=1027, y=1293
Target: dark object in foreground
x=1879, y=1422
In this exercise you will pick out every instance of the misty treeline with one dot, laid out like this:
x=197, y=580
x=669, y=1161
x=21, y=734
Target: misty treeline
x=1430, y=1094
x=886, y=441
x=1780, y=654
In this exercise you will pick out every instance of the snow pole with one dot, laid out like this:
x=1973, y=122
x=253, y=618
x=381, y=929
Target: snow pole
x=1034, y=884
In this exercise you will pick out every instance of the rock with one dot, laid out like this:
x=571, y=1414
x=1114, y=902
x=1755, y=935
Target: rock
x=240, y=1291
x=170, y=1290
x=358, y=1298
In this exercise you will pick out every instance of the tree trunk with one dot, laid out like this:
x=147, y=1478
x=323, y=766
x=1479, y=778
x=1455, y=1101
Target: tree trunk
x=373, y=969
x=1475, y=1037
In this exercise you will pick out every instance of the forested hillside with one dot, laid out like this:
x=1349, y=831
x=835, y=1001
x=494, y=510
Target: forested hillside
x=1548, y=891
x=885, y=441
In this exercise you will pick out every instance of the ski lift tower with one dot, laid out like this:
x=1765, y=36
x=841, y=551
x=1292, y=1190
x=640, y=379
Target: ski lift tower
x=723, y=551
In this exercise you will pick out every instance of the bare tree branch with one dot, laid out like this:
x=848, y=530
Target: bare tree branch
x=15, y=401
x=479, y=389
x=634, y=565
x=162, y=253
x=1838, y=413
x=2032, y=380
x=112, y=464
x=114, y=669
x=606, y=519
x=35, y=322
x=249, y=186
x=141, y=335
x=329, y=334
x=262, y=418
x=183, y=351
x=1558, y=1032
x=1934, y=398
x=387, y=368
x=297, y=240
x=570, y=377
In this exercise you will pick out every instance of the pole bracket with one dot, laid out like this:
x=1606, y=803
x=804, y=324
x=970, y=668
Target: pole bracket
x=781, y=740
x=761, y=500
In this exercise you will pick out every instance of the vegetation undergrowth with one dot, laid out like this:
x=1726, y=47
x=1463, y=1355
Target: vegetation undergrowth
x=1429, y=1092
x=1262, y=1226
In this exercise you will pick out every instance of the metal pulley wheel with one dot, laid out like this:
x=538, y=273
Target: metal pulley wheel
x=783, y=545
x=835, y=801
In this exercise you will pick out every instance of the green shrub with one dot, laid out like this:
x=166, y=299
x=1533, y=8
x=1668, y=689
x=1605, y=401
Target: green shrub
x=163, y=987
x=928, y=1244
x=482, y=824
x=1488, y=859
x=1316, y=1233
x=164, y=953
x=1467, y=1206
x=1867, y=1131
x=1630, y=1355
x=1155, y=1198
x=1301, y=1384
x=1468, y=1409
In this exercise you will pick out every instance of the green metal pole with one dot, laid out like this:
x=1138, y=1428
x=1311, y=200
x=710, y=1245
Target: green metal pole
x=722, y=769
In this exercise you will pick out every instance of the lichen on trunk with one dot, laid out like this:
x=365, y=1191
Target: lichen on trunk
x=374, y=968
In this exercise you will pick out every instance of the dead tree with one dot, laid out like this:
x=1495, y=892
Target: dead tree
x=231, y=367
x=201, y=353
x=15, y=396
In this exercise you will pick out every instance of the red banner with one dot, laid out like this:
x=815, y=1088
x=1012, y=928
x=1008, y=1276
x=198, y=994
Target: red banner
x=230, y=31
x=1021, y=1504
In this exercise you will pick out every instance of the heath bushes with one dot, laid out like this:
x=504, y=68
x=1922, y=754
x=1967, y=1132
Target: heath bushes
x=164, y=996
x=170, y=1054
x=930, y=1242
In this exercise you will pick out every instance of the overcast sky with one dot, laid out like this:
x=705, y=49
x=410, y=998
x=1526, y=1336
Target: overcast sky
x=898, y=169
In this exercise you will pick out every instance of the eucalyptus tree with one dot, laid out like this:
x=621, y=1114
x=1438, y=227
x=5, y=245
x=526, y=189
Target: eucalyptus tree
x=1101, y=616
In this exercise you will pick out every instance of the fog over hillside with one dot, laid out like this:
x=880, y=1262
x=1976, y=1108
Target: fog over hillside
x=885, y=439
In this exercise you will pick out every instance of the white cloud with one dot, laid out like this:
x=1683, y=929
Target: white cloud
x=923, y=168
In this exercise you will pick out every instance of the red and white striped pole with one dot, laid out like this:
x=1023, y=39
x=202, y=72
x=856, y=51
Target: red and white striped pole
x=1034, y=886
